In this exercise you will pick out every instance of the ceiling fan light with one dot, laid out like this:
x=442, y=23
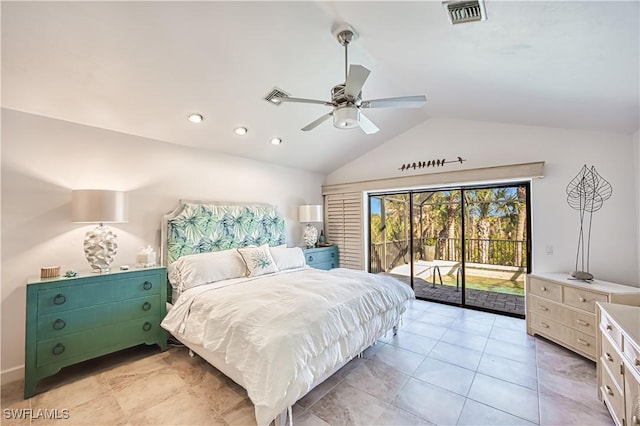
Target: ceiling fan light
x=346, y=117
x=240, y=131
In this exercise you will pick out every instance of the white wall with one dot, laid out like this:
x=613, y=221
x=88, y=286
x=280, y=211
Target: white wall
x=614, y=242
x=43, y=159
x=636, y=156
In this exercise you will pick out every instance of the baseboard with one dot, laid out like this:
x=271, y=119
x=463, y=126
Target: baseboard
x=12, y=374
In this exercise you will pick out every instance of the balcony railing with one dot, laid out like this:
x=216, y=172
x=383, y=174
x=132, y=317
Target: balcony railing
x=385, y=256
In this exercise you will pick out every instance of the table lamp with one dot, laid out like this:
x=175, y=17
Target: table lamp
x=307, y=214
x=99, y=206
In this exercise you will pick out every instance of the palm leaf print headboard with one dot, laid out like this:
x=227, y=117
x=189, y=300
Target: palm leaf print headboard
x=202, y=227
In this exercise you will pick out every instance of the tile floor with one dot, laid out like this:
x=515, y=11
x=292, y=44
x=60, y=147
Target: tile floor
x=447, y=366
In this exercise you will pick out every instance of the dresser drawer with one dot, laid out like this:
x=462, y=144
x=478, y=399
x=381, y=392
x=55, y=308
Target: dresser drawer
x=612, y=395
x=583, y=342
x=546, y=289
x=321, y=256
x=610, y=358
x=581, y=321
x=67, y=322
x=545, y=307
x=583, y=299
x=632, y=353
x=611, y=330
x=81, y=294
x=325, y=265
x=89, y=344
x=549, y=327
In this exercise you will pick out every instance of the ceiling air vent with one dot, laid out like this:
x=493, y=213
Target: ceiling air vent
x=273, y=96
x=465, y=11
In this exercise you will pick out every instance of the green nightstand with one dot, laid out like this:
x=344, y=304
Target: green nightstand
x=70, y=320
x=322, y=257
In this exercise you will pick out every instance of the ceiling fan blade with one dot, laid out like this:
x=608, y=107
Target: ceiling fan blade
x=316, y=122
x=355, y=80
x=367, y=125
x=401, y=102
x=304, y=101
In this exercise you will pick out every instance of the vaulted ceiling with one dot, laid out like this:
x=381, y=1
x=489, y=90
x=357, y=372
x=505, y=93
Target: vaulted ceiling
x=141, y=67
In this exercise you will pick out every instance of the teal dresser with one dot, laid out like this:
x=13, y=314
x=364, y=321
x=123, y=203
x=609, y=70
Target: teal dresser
x=322, y=257
x=70, y=320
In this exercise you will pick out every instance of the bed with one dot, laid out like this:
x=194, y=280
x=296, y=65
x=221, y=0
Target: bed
x=253, y=309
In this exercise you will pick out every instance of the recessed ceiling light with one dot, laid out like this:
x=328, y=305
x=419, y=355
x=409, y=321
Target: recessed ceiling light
x=240, y=131
x=276, y=141
x=195, y=118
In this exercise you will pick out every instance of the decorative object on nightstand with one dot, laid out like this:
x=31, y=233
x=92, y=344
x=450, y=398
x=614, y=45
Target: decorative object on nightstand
x=70, y=320
x=586, y=193
x=99, y=206
x=307, y=214
x=322, y=257
x=49, y=271
x=146, y=257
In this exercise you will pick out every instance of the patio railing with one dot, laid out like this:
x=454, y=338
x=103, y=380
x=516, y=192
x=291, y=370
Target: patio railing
x=385, y=256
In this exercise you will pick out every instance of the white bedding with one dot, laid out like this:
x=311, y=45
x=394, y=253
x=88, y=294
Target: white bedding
x=284, y=331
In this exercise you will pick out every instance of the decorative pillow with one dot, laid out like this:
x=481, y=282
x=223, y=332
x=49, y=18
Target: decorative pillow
x=258, y=260
x=288, y=257
x=204, y=268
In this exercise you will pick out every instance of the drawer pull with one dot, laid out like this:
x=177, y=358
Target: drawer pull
x=543, y=308
x=543, y=288
x=147, y=285
x=583, y=342
x=310, y=258
x=582, y=299
x=146, y=306
x=608, y=327
x=635, y=420
x=608, y=389
x=636, y=362
x=59, y=299
x=582, y=322
x=544, y=324
x=146, y=326
x=333, y=254
x=58, y=349
x=608, y=356
x=333, y=265
x=59, y=324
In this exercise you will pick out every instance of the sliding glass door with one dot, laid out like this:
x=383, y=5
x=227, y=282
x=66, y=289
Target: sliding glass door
x=463, y=246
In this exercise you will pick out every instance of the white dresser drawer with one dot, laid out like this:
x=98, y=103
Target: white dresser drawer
x=546, y=289
x=583, y=342
x=549, y=327
x=610, y=357
x=583, y=299
x=612, y=395
x=610, y=329
x=581, y=321
x=545, y=307
x=632, y=353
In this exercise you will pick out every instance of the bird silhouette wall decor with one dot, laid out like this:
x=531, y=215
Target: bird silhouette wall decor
x=586, y=193
x=429, y=163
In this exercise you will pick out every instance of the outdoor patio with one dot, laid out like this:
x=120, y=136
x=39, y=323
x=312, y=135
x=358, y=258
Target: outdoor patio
x=510, y=304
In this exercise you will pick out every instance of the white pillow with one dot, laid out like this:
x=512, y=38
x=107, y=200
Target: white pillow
x=258, y=260
x=204, y=268
x=288, y=257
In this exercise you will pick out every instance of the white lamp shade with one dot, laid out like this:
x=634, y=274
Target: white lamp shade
x=310, y=213
x=98, y=206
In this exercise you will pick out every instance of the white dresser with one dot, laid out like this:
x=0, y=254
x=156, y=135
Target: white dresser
x=618, y=342
x=564, y=310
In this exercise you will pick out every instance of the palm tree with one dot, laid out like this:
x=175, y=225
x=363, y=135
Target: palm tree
x=479, y=204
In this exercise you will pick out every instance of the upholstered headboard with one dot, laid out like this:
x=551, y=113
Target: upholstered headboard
x=201, y=227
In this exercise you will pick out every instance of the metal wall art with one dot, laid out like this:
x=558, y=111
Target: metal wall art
x=430, y=163
x=586, y=193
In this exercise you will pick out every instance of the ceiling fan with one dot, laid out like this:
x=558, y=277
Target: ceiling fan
x=346, y=98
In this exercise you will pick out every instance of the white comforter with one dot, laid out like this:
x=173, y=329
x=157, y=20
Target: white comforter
x=284, y=332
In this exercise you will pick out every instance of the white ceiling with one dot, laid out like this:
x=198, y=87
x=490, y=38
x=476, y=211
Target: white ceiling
x=141, y=67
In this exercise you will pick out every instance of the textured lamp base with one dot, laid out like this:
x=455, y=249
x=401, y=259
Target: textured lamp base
x=100, y=248
x=310, y=236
